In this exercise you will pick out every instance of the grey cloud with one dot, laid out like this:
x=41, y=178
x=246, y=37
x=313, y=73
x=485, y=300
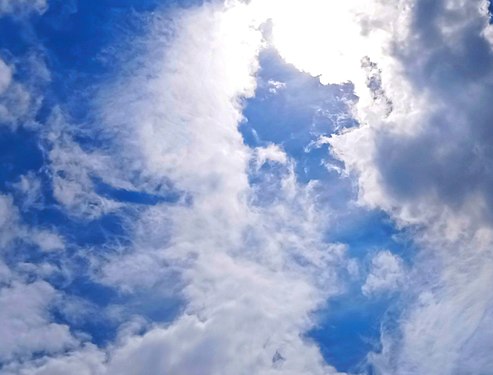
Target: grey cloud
x=430, y=165
x=450, y=157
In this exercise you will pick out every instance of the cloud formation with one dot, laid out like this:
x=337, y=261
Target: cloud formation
x=233, y=237
x=238, y=263
x=421, y=154
x=427, y=165
x=16, y=7
x=386, y=273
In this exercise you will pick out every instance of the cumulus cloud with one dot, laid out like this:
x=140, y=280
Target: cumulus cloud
x=256, y=269
x=271, y=153
x=27, y=327
x=86, y=361
x=27, y=300
x=238, y=263
x=243, y=248
x=430, y=168
x=427, y=165
x=386, y=273
x=422, y=154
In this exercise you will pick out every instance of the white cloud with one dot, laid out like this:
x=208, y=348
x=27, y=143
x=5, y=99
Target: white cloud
x=17, y=7
x=72, y=169
x=244, y=265
x=87, y=361
x=271, y=153
x=275, y=86
x=47, y=241
x=26, y=300
x=15, y=104
x=5, y=76
x=12, y=228
x=386, y=274
x=426, y=163
x=26, y=325
x=29, y=187
x=19, y=101
x=250, y=274
x=422, y=153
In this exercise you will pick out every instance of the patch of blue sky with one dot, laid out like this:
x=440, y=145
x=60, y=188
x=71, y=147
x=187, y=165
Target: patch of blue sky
x=490, y=9
x=293, y=110
x=105, y=309
x=289, y=115
x=350, y=330
x=19, y=154
x=350, y=325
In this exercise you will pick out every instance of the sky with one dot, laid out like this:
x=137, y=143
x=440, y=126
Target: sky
x=259, y=187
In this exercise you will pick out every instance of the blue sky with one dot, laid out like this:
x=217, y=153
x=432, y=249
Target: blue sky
x=262, y=187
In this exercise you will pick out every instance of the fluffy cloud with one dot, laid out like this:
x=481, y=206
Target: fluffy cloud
x=421, y=153
x=250, y=257
x=250, y=273
x=426, y=163
x=26, y=299
x=386, y=273
x=239, y=264
x=86, y=361
x=27, y=327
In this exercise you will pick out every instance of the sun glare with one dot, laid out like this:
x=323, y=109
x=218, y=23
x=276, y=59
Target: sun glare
x=320, y=37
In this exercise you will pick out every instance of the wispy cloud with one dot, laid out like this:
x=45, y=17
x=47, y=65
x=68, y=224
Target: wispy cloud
x=230, y=233
x=258, y=270
x=18, y=7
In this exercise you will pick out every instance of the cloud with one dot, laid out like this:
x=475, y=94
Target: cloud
x=243, y=247
x=249, y=272
x=271, y=153
x=27, y=300
x=27, y=327
x=20, y=99
x=29, y=188
x=72, y=169
x=426, y=164
x=12, y=228
x=5, y=76
x=386, y=274
x=17, y=7
x=422, y=152
x=15, y=101
x=47, y=241
x=8, y=220
x=87, y=361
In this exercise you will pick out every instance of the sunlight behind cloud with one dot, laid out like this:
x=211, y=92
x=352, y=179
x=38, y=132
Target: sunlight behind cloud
x=323, y=38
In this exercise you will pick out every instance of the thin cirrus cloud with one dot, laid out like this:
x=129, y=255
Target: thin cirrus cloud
x=18, y=7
